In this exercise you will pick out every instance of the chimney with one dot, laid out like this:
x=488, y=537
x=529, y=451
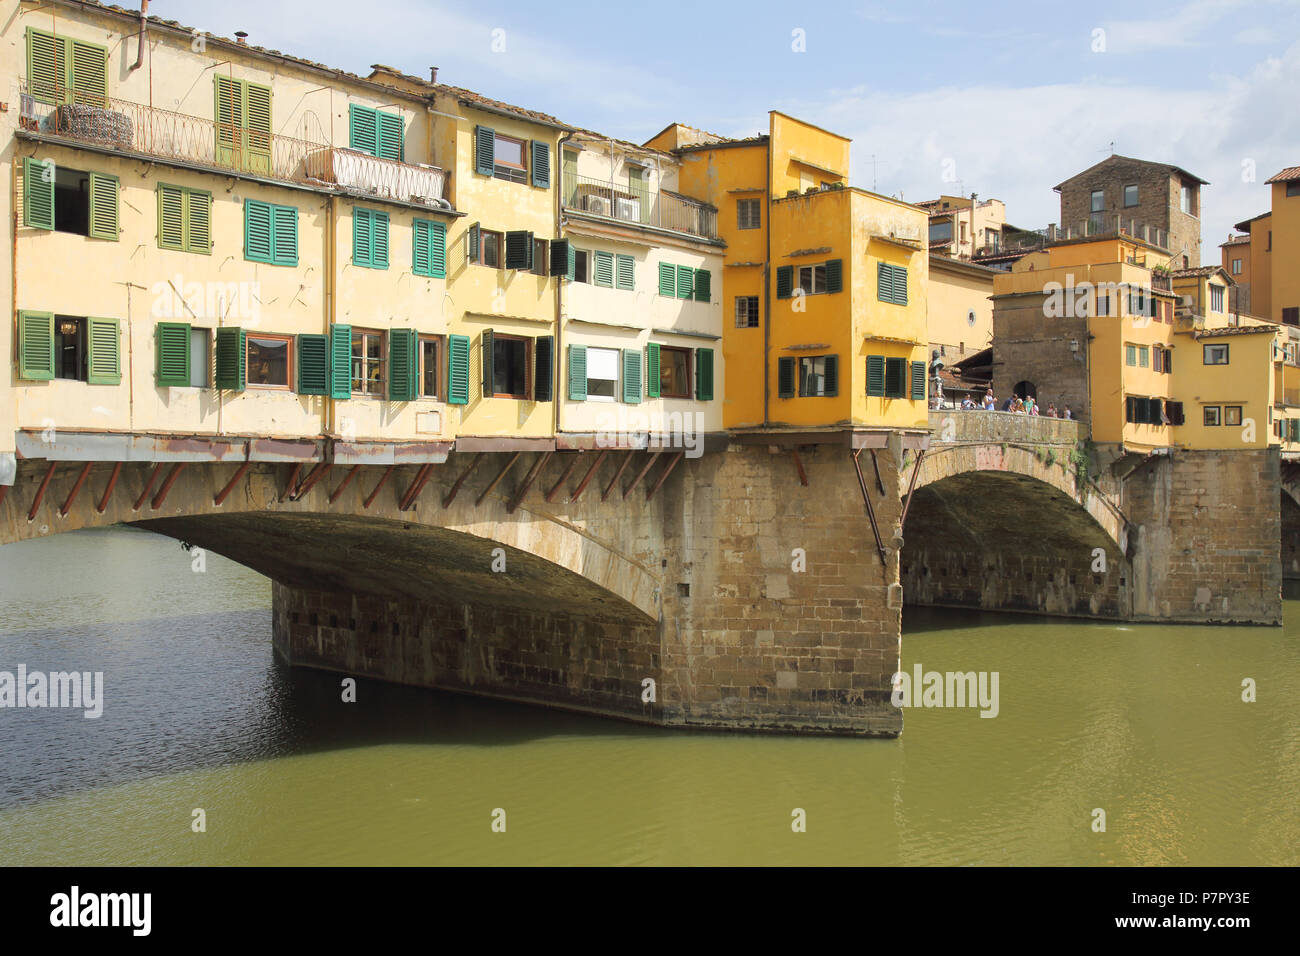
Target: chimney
x=241, y=36
x=433, y=74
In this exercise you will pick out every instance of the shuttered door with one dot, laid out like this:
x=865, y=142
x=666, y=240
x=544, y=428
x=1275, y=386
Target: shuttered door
x=229, y=113
x=36, y=346
x=89, y=81
x=313, y=364
x=172, y=354
x=257, y=135
x=363, y=129
x=392, y=137
x=47, y=67
x=103, y=352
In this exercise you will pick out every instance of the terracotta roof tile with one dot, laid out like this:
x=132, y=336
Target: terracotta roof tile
x=1287, y=175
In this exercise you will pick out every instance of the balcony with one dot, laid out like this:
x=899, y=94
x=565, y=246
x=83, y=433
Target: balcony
x=127, y=127
x=1161, y=281
x=660, y=210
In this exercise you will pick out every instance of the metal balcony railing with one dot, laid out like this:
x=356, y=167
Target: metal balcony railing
x=625, y=203
x=1162, y=281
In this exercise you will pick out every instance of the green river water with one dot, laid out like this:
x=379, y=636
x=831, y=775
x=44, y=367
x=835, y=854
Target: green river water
x=1143, y=721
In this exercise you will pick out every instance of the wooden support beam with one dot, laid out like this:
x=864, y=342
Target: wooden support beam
x=582, y=485
x=172, y=475
x=315, y=475
x=221, y=495
x=108, y=489
x=627, y=460
x=417, y=484
x=292, y=486
x=663, y=475
x=371, y=497
x=40, y=492
x=347, y=479
x=911, y=484
x=451, y=495
x=497, y=480
x=536, y=470
x=871, y=512
x=798, y=464
x=568, y=470
x=72, y=495
x=651, y=457
x=148, y=486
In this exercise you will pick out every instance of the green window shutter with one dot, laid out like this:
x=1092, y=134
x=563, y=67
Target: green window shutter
x=604, y=269
x=89, y=80
x=667, y=279
x=36, y=346
x=703, y=285
x=363, y=233
x=884, y=282
x=487, y=362
x=437, y=250
x=475, y=244
x=784, y=281
x=519, y=249
x=485, y=150
x=198, y=221
x=704, y=375
x=257, y=134
x=652, y=373
x=832, y=376
x=38, y=193
x=895, y=378
x=230, y=359
x=258, y=244
x=561, y=254
x=918, y=381
x=172, y=354
x=876, y=375
x=458, y=370
x=392, y=137
x=229, y=114
x=313, y=364
x=103, y=206
x=420, y=247
x=402, y=356
x=785, y=377
x=284, y=235
x=632, y=376
x=379, y=242
x=835, y=275
x=572, y=272
x=685, y=282
x=541, y=163
x=626, y=272
x=363, y=129
x=578, y=373
x=103, y=351
x=47, y=66
x=341, y=362
x=543, y=368
x=900, y=285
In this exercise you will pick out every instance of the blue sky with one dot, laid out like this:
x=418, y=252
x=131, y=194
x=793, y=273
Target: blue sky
x=1012, y=98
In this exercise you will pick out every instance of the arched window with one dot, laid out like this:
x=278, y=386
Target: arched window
x=1026, y=389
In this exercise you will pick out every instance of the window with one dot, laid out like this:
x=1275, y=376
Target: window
x=1187, y=200
x=1103, y=303
x=1131, y=356
x=492, y=249
x=581, y=266
x=184, y=219
x=243, y=124
x=1144, y=411
x=1211, y=415
x=1174, y=411
x=430, y=350
x=1098, y=201
x=505, y=157
x=181, y=355
x=684, y=282
x=1216, y=298
x=1236, y=267
x=1216, y=354
x=429, y=249
x=268, y=361
x=368, y=362
x=61, y=70
x=895, y=378
x=1232, y=414
x=370, y=238
x=624, y=272
x=270, y=233
x=748, y=213
x=941, y=231
x=604, y=269
x=1130, y=196
x=1144, y=357
x=68, y=200
x=376, y=133
x=818, y=375
x=200, y=357
x=746, y=311
x=602, y=374
x=1291, y=315
x=1293, y=189
x=507, y=374
x=891, y=283
x=86, y=349
x=540, y=257
x=70, y=348
x=674, y=372
x=812, y=279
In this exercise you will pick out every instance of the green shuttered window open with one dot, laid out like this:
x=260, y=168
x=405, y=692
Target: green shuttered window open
x=604, y=272
x=341, y=362
x=243, y=124
x=835, y=275
x=36, y=346
x=703, y=285
x=918, y=381
x=876, y=375
x=632, y=376
x=704, y=375
x=667, y=279
x=652, y=370
x=403, y=378
x=377, y=133
x=172, y=354
x=103, y=206
x=784, y=283
x=230, y=359
x=313, y=364
x=430, y=244
x=485, y=150
x=103, y=351
x=543, y=368
x=541, y=163
x=561, y=258
x=578, y=373
x=458, y=369
x=519, y=250
x=38, y=193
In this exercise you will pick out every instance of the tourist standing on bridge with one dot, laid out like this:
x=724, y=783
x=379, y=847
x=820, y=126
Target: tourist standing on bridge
x=1051, y=410
x=1066, y=412
x=990, y=403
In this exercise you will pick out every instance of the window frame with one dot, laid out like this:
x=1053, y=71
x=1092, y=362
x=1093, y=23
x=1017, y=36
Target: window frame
x=1127, y=187
x=1205, y=416
x=799, y=278
x=801, y=378
x=528, y=341
x=500, y=248
x=288, y=364
x=689, y=355
x=1228, y=411
x=750, y=316
x=755, y=216
x=439, y=366
x=1218, y=294
x=1097, y=201
x=381, y=384
x=618, y=365
x=206, y=365
x=1205, y=353
x=513, y=173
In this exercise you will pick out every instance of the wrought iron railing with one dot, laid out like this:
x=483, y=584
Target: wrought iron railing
x=627, y=203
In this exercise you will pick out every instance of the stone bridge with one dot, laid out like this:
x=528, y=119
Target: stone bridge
x=758, y=586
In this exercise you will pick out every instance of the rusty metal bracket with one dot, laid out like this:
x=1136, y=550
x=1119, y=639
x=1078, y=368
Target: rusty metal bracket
x=72, y=495
x=582, y=485
x=650, y=460
x=911, y=484
x=308, y=483
x=148, y=486
x=497, y=480
x=40, y=492
x=388, y=472
x=663, y=475
x=880, y=485
x=220, y=496
x=451, y=495
x=292, y=486
x=871, y=512
x=172, y=475
x=347, y=480
x=568, y=470
x=798, y=464
x=417, y=485
x=627, y=460
x=528, y=481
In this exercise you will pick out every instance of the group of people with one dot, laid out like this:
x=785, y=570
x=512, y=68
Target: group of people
x=1014, y=403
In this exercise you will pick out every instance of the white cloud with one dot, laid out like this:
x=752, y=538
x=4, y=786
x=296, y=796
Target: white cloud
x=1180, y=28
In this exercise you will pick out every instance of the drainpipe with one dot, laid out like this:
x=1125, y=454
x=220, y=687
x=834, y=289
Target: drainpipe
x=331, y=405
x=144, y=31
x=767, y=289
x=558, y=356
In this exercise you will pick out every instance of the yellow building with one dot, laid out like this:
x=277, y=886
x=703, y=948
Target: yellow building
x=959, y=307
x=836, y=276
x=1284, y=244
